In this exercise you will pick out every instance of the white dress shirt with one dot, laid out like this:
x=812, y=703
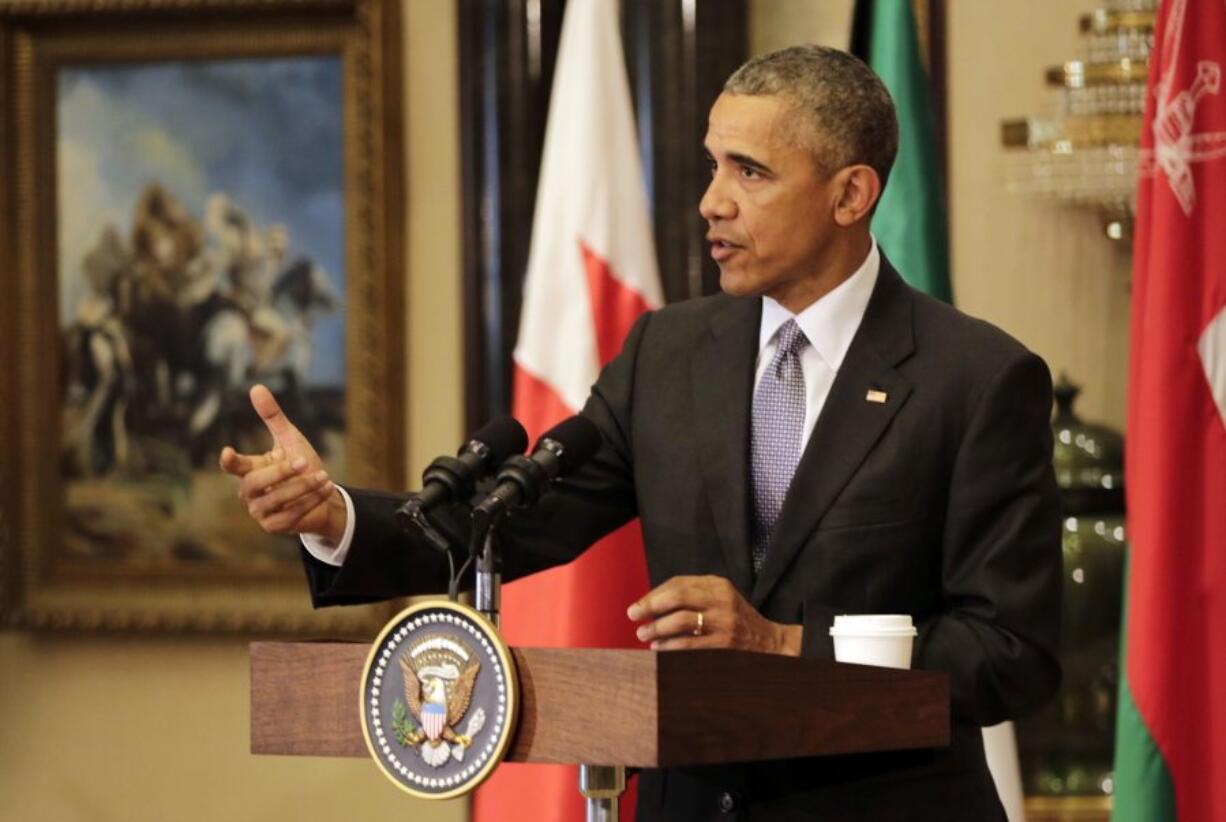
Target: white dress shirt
x=325, y=550
x=829, y=324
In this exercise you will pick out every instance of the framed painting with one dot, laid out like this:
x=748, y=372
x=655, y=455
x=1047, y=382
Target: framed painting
x=204, y=195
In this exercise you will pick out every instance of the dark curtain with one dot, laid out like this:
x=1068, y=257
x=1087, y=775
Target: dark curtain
x=678, y=54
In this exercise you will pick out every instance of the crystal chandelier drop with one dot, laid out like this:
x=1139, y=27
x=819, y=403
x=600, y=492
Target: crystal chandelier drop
x=1084, y=151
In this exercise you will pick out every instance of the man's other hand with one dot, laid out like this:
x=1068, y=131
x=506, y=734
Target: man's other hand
x=670, y=616
x=286, y=490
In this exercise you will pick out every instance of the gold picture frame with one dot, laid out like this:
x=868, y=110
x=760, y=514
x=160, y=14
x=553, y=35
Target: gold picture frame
x=70, y=524
x=1068, y=808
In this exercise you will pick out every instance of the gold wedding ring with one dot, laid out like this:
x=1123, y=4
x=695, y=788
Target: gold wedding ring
x=698, y=627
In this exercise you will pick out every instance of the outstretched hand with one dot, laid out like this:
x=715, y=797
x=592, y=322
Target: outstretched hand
x=671, y=621
x=286, y=489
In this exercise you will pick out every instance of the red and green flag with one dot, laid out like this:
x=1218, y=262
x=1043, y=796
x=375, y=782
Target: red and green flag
x=1170, y=761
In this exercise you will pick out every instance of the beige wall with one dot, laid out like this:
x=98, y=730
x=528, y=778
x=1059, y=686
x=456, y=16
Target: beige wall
x=776, y=24
x=1042, y=272
x=148, y=727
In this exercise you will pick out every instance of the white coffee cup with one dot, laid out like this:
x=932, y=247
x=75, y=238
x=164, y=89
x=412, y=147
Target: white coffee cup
x=874, y=639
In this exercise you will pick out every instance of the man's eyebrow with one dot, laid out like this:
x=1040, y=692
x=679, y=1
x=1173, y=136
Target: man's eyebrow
x=740, y=159
x=750, y=162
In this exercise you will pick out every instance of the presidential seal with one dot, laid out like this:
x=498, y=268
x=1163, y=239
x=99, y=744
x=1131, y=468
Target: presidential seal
x=439, y=699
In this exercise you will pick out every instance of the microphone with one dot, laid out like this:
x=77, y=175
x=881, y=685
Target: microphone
x=452, y=479
x=522, y=480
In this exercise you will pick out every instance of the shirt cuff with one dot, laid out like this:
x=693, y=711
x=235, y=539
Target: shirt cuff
x=325, y=550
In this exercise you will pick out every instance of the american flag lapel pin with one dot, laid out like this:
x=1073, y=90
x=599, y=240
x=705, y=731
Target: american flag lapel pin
x=876, y=396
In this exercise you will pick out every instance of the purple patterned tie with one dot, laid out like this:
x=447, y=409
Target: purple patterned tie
x=778, y=424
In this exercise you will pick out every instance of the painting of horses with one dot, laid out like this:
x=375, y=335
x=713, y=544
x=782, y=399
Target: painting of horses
x=199, y=195
x=200, y=249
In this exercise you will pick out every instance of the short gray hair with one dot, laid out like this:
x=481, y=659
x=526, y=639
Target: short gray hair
x=846, y=113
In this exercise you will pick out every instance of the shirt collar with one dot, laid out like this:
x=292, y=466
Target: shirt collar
x=831, y=321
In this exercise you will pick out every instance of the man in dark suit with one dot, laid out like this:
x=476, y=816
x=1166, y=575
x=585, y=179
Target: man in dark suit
x=819, y=439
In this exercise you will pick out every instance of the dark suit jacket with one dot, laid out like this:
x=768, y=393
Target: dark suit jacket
x=939, y=503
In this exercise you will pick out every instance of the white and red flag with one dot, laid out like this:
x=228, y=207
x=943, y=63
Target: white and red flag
x=591, y=273
x=1170, y=761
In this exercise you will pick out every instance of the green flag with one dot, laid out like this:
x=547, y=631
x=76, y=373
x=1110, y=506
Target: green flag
x=910, y=219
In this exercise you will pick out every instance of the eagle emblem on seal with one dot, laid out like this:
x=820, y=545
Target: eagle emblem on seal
x=439, y=675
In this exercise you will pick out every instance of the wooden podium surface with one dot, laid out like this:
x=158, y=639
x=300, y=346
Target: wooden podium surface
x=634, y=708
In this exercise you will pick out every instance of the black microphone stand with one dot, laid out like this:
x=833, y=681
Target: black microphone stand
x=482, y=548
x=411, y=513
x=483, y=545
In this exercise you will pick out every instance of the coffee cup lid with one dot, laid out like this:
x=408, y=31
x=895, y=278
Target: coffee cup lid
x=880, y=624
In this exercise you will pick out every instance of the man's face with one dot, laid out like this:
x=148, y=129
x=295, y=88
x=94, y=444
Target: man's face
x=768, y=208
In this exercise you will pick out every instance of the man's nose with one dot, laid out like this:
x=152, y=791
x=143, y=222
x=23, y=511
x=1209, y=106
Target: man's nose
x=715, y=203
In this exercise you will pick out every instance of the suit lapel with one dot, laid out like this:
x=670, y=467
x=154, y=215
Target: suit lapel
x=722, y=386
x=849, y=425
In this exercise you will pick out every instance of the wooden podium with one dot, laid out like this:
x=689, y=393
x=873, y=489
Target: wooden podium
x=630, y=708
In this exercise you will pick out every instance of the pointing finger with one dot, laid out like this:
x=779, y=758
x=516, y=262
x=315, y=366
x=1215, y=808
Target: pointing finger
x=239, y=465
x=286, y=494
x=287, y=518
x=258, y=482
x=283, y=431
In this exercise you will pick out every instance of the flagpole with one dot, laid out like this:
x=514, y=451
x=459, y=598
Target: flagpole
x=487, y=598
x=602, y=787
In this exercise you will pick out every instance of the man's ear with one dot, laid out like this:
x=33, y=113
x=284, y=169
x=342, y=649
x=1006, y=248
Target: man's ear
x=858, y=189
